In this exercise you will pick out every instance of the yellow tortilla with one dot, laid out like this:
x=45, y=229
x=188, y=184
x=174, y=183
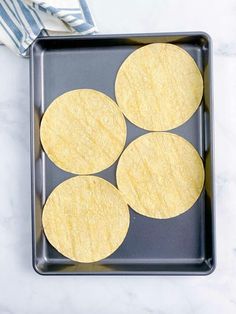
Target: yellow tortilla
x=83, y=131
x=85, y=218
x=160, y=175
x=159, y=87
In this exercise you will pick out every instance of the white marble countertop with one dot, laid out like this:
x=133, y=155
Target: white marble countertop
x=23, y=291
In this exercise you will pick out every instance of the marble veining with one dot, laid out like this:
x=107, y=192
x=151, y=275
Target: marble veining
x=22, y=291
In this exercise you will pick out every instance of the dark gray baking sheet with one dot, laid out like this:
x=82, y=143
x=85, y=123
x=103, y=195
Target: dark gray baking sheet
x=177, y=246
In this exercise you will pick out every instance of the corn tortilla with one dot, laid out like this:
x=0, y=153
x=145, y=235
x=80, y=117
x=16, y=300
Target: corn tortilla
x=83, y=131
x=159, y=87
x=160, y=175
x=85, y=218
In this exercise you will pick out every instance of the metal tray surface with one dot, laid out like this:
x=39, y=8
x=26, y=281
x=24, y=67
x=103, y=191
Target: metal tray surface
x=179, y=246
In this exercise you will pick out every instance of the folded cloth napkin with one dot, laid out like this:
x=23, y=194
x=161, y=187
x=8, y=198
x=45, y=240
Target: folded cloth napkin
x=22, y=21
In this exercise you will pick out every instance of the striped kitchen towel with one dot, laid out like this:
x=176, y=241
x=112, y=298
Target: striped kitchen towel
x=22, y=21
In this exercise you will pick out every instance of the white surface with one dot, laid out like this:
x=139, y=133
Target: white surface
x=22, y=291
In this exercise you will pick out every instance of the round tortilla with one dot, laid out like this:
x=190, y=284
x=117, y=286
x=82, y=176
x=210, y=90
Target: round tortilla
x=159, y=87
x=160, y=175
x=85, y=218
x=83, y=131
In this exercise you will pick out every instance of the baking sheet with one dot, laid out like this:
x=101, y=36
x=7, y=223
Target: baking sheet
x=181, y=245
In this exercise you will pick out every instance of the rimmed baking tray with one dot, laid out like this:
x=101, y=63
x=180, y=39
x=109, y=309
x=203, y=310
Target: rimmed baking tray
x=179, y=246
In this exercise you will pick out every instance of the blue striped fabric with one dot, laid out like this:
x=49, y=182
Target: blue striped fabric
x=21, y=23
